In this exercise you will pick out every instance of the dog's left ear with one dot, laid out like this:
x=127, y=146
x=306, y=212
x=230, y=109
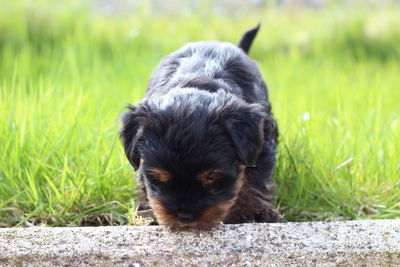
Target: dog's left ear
x=130, y=133
x=245, y=127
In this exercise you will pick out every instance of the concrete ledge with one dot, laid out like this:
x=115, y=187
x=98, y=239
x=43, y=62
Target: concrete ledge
x=370, y=242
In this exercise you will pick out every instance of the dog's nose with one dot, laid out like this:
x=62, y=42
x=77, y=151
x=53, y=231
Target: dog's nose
x=185, y=217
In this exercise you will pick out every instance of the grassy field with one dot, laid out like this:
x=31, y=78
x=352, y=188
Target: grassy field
x=67, y=72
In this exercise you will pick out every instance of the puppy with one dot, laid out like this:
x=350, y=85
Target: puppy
x=203, y=138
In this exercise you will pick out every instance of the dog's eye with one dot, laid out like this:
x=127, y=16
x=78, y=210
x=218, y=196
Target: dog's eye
x=158, y=175
x=209, y=177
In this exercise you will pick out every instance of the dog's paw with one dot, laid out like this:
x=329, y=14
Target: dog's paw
x=268, y=215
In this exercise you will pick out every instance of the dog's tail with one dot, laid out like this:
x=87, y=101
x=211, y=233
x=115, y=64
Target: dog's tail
x=247, y=38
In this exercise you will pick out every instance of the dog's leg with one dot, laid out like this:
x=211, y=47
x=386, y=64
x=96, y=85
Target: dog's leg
x=144, y=209
x=141, y=191
x=255, y=202
x=253, y=205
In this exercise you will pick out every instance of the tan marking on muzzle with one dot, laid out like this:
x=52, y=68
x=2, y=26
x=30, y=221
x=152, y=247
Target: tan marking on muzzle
x=209, y=218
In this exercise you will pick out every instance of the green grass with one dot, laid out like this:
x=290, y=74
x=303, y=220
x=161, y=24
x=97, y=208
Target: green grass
x=67, y=72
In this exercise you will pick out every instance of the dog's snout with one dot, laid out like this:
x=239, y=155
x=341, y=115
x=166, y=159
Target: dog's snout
x=185, y=217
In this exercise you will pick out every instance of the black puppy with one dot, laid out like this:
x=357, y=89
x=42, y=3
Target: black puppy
x=203, y=138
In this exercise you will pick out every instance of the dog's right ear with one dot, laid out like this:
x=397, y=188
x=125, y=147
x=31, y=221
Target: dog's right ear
x=130, y=133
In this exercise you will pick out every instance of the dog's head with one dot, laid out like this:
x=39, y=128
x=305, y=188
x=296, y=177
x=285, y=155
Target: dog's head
x=192, y=147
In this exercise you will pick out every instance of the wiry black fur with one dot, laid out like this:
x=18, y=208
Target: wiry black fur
x=206, y=107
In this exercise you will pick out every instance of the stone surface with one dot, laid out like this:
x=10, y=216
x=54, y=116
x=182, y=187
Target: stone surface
x=370, y=242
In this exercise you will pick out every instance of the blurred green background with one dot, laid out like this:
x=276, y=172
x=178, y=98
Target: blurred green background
x=67, y=70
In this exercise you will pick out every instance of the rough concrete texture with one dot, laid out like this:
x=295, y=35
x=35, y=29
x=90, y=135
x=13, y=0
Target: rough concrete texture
x=370, y=242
